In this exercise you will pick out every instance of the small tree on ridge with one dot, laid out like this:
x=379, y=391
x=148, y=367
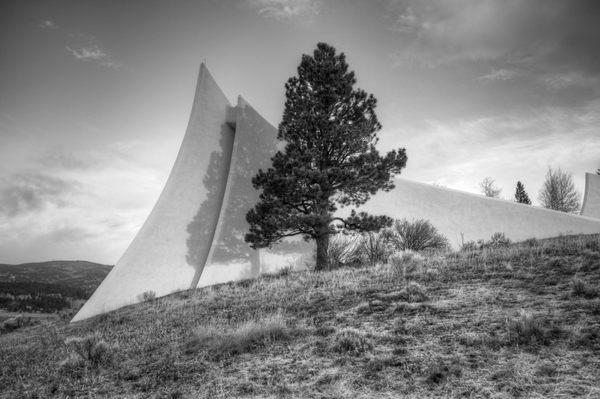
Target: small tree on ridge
x=521, y=195
x=489, y=189
x=558, y=192
x=330, y=160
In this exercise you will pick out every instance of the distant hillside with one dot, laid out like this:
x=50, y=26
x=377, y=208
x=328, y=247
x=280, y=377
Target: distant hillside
x=518, y=321
x=74, y=273
x=48, y=286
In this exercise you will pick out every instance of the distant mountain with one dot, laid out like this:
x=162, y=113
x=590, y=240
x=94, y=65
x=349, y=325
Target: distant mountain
x=76, y=274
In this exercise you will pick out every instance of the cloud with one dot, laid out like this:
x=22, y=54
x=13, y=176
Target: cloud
x=88, y=53
x=28, y=192
x=88, y=50
x=499, y=75
x=285, y=10
x=507, y=147
x=535, y=35
x=84, y=205
x=47, y=24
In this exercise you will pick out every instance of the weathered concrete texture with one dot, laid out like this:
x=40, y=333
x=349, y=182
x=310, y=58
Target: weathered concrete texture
x=591, y=198
x=174, y=241
x=463, y=217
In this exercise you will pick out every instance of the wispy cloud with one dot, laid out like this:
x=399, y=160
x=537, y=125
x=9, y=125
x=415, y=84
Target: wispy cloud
x=47, y=24
x=285, y=10
x=501, y=74
x=86, y=49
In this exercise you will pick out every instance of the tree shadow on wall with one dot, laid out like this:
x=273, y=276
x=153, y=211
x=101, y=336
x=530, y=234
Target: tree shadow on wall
x=201, y=229
x=254, y=146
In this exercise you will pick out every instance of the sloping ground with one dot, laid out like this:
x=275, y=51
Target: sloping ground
x=522, y=321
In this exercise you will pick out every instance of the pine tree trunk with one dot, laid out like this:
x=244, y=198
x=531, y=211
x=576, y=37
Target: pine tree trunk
x=322, y=247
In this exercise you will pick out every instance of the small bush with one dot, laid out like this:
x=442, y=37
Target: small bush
x=419, y=235
x=89, y=351
x=342, y=251
x=414, y=292
x=373, y=248
x=351, y=341
x=147, y=296
x=244, y=338
x=580, y=288
x=498, y=240
x=527, y=329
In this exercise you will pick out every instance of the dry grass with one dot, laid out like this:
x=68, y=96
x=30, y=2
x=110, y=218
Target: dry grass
x=495, y=322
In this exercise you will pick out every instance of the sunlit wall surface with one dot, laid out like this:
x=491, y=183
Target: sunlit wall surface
x=464, y=217
x=591, y=198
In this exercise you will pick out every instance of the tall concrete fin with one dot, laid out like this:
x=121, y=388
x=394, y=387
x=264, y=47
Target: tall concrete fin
x=466, y=217
x=231, y=258
x=591, y=198
x=172, y=245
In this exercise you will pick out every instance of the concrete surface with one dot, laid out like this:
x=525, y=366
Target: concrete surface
x=591, y=198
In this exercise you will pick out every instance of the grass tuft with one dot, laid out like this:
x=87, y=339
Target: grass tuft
x=245, y=337
x=352, y=342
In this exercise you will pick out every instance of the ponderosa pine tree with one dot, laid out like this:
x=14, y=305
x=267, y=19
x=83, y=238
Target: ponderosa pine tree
x=329, y=160
x=521, y=195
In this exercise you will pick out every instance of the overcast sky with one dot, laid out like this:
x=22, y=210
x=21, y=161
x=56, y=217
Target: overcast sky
x=95, y=97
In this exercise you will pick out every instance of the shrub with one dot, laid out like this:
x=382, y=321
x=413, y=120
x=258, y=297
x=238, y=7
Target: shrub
x=147, y=296
x=498, y=240
x=527, y=329
x=342, y=251
x=89, y=351
x=373, y=248
x=351, y=341
x=414, y=292
x=580, y=288
x=419, y=235
x=243, y=338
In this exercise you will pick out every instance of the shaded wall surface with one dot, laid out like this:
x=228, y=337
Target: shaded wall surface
x=158, y=259
x=463, y=217
x=591, y=198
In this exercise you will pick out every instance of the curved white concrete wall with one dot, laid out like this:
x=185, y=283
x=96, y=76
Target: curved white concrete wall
x=470, y=217
x=591, y=198
x=173, y=242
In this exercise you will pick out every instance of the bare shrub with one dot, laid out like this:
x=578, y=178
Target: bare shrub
x=419, y=235
x=373, y=248
x=489, y=189
x=351, y=341
x=342, y=251
x=243, y=338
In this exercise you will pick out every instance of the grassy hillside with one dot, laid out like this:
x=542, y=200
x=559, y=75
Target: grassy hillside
x=522, y=321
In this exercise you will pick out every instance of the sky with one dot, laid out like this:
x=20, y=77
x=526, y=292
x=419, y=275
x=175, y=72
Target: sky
x=95, y=97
